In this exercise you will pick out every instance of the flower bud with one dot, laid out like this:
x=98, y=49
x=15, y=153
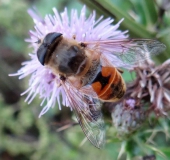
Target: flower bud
x=127, y=118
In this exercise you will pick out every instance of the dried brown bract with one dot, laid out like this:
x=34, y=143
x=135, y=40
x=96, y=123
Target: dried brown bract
x=151, y=87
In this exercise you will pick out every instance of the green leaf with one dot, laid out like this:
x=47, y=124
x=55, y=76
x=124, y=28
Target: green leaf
x=158, y=151
x=146, y=12
x=109, y=8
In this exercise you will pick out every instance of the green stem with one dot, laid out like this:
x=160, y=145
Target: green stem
x=109, y=9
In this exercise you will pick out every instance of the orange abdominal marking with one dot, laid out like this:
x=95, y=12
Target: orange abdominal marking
x=109, y=84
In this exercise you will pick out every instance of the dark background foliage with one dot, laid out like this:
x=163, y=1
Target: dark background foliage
x=23, y=135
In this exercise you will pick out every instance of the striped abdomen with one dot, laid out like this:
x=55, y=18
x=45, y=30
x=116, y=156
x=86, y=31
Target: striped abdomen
x=109, y=84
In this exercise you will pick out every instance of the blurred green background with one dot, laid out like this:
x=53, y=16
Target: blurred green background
x=24, y=136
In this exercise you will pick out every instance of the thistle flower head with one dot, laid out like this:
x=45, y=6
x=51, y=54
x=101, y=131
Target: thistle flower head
x=42, y=81
x=148, y=93
x=152, y=86
x=127, y=117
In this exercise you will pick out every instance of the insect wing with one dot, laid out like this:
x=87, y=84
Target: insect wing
x=88, y=114
x=130, y=51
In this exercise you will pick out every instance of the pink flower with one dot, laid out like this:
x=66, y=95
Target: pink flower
x=42, y=81
x=130, y=103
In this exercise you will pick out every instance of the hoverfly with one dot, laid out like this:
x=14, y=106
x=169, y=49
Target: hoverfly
x=88, y=76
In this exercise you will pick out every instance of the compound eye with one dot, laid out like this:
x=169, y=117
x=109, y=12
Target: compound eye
x=51, y=38
x=41, y=53
x=48, y=45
